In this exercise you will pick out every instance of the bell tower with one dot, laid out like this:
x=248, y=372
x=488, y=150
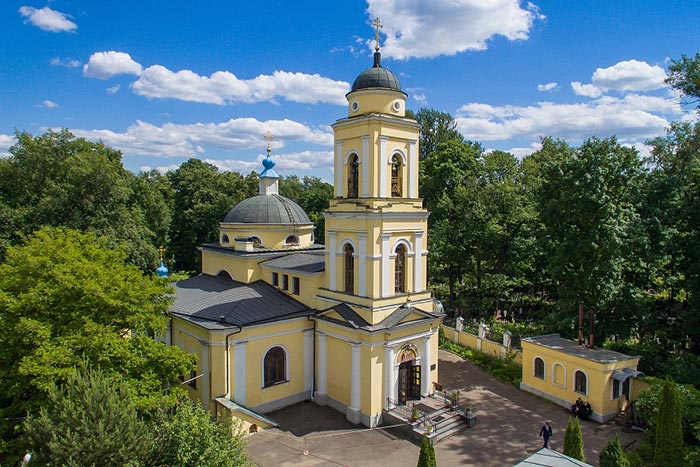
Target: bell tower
x=376, y=226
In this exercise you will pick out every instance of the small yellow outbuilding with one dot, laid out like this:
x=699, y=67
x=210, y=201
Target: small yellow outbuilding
x=562, y=371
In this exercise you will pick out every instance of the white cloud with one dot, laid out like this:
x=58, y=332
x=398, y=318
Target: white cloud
x=178, y=140
x=68, y=63
x=521, y=152
x=104, y=65
x=629, y=118
x=114, y=89
x=446, y=27
x=625, y=76
x=289, y=162
x=49, y=104
x=5, y=142
x=224, y=87
x=547, y=87
x=47, y=19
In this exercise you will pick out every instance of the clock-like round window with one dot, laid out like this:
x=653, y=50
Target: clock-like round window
x=355, y=106
x=396, y=106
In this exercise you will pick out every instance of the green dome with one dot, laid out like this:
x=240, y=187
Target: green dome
x=376, y=77
x=267, y=209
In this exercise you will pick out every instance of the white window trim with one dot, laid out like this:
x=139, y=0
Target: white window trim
x=554, y=372
x=544, y=368
x=573, y=381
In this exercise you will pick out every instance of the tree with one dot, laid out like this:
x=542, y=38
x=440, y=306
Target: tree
x=66, y=298
x=612, y=455
x=56, y=179
x=190, y=438
x=684, y=75
x=313, y=195
x=436, y=128
x=668, y=433
x=426, y=458
x=89, y=420
x=573, y=440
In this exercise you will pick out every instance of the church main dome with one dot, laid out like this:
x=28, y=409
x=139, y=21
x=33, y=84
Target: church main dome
x=267, y=209
x=376, y=77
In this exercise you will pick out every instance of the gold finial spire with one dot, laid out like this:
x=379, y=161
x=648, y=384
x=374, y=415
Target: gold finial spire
x=269, y=137
x=377, y=26
x=161, y=250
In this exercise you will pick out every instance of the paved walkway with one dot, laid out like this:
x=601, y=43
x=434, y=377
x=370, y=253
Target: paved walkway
x=508, y=424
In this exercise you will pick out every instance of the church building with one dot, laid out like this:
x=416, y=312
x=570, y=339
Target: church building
x=276, y=319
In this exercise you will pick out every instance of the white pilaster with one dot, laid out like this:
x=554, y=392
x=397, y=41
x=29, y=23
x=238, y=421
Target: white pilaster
x=308, y=359
x=338, y=171
x=362, y=257
x=383, y=165
x=354, y=409
x=418, y=263
x=365, y=167
x=239, y=373
x=204, y=379
x=321, y=391
x=412, y=168
x=331, y=260
x=386, y=283
x=425, y=367
x=389, y=378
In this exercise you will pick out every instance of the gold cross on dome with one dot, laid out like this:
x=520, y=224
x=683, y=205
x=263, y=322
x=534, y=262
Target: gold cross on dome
x=269, y=137
x=161, y=250
x=377, y=26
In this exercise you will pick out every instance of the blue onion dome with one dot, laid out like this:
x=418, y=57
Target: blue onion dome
x=268, y=164
x=162, y=270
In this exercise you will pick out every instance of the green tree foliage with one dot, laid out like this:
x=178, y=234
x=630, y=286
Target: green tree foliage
x=684, y=75
x=190, y=438
x=668, y=434
x=436, y=128
x=66, y=298
x=426, y=458
x=588, y=205
x=573, y=440
x=56, y=179
x=612, y=455
x=203, y=196
x=90, y=420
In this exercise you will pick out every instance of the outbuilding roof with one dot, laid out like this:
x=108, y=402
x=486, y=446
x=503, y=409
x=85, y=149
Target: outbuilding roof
x=298, y=262
x=550, y=458
x=569, y=347
x=217, y=303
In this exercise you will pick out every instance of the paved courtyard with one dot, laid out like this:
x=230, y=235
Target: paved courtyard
x=508, y=424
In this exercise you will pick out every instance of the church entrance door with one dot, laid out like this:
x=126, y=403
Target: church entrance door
x=409, y=381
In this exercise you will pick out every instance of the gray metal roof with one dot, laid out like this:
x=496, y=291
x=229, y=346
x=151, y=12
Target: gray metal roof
x=267, y=209
x=555, y=342
x=550, y=458
x=218, y=303
x=299, y=262
x=351, y=319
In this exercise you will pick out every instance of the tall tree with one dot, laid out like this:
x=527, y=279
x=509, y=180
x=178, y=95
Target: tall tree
x=573, y=440
x=436, y=128
x=67, y=298
x=668, y=433
x=426, y=458
x=684, y=75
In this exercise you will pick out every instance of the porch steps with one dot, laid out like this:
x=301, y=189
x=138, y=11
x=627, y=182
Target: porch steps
x=448, y=423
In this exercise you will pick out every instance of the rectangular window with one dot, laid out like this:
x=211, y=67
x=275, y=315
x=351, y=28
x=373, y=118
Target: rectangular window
x=191, y=381
x=275, y=279
x=285, y=282
x=295, y=285
x=616, y=386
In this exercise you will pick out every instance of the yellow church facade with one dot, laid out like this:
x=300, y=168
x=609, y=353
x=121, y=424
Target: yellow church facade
x=276, y=319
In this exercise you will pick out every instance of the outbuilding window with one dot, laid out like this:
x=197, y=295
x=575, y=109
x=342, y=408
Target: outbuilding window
x=580, y=382
x=539, y=368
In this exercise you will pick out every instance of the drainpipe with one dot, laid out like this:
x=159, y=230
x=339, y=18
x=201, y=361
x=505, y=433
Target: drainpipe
x=227, y=394
x=313, y=380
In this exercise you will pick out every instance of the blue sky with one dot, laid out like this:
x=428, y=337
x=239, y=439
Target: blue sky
x=166, y=81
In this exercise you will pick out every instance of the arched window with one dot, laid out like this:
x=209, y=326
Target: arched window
x=274, y=366
x=400, y=269
x=580, y=382
x=257, y=242
x=291, y=240
x=559, y=375
x=396, y=176
x=224, y=238
x=353, y=176
x=349, y=268
x=539, y=368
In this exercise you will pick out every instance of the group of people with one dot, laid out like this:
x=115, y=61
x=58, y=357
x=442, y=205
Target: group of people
x=581, y=409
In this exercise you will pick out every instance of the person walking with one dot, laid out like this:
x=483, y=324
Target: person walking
x=546, y=433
